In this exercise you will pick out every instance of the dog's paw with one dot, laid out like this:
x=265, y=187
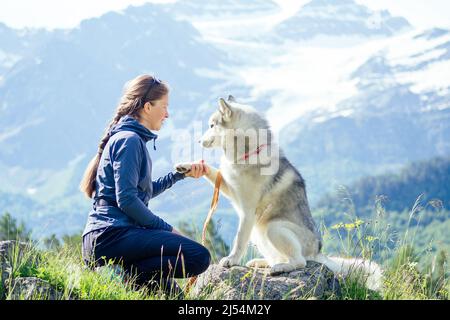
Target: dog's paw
x=183, y=167
x=257, y=263
x=281, y=268
x=228, y=262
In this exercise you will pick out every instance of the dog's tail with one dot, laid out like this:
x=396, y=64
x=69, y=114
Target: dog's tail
x=366, y=270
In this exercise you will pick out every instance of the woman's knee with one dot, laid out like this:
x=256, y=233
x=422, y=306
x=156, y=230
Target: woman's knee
x=206, y=258
x=199, y=260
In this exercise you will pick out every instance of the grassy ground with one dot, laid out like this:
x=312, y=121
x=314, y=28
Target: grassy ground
x=403, y=277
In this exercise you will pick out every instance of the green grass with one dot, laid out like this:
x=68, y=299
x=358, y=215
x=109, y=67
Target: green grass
x=65, y=271
x=408, y=273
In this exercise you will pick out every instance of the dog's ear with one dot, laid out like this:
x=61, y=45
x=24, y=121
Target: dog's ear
x=231, y=98
x=225, y=109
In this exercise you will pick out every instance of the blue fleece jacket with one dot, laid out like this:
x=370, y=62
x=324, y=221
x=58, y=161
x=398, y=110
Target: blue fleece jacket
x=124, y=176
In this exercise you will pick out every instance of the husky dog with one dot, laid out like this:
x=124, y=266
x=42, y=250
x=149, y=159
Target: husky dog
x=269, y=196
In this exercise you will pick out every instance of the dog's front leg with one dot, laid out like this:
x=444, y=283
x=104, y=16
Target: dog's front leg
x=211, y=177
x=246, y=223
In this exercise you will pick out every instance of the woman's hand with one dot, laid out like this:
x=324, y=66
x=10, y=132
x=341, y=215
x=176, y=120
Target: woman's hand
x=198, y=169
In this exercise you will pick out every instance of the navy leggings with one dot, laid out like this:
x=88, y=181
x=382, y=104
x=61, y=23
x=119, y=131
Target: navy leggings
x=147, y=253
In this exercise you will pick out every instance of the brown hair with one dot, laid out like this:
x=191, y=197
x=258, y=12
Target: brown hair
x=142, y=89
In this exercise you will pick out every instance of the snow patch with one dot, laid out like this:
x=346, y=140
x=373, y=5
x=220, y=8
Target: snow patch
x=432, y=78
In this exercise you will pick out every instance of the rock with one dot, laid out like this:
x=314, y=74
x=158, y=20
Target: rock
x=32, y=288
x=9, y=251
x=14, y=253
x=315, y=281
x=10, y=248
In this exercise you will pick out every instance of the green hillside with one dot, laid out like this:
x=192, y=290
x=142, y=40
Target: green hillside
x=399, y=190
x=410, y=206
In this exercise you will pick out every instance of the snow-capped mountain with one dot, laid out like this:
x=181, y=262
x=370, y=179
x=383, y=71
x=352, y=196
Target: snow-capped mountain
x=79, y=75
x=339, y=18
x=56, y=101
x=230, y=19
x=342, y=108
x=17, y=44
x=222, y=9
x=11, y=47
x=58, y=96
x=398, y=112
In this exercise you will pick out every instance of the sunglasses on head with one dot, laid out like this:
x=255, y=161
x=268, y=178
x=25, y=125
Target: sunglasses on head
x=155, y=81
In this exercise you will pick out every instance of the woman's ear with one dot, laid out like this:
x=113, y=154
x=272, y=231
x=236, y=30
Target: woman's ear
x=147, y=105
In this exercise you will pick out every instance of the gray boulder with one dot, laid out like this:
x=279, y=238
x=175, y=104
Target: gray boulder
x=315, y=281
x=12, y=254
x=10, y=251
x=32, y=288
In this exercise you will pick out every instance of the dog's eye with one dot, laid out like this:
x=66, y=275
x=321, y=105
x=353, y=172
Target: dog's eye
x=212, y=125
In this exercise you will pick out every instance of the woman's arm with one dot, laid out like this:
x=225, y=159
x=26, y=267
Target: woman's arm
x=196, y=171
x=127, y=155
x=166, y=182
x=209, y=172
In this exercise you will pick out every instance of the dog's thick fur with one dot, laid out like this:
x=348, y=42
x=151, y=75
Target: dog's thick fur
x=273, y=208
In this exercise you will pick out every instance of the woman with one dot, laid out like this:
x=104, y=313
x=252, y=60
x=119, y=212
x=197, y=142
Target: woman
x=118, y=178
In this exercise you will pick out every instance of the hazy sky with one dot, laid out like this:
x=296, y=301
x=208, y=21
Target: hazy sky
x=68, y=13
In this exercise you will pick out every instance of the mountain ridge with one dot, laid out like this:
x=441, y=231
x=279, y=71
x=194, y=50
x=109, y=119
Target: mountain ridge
x=57, y=98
